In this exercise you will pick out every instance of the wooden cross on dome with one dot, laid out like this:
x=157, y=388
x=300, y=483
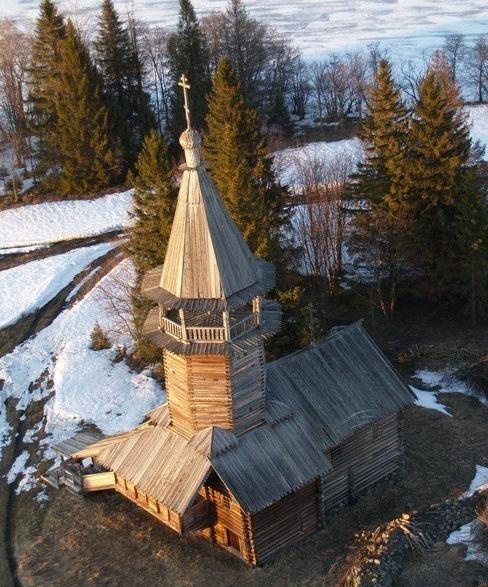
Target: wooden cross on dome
x=186, y=86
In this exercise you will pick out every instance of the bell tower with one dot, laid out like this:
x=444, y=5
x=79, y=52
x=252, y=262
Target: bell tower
x=211, y=318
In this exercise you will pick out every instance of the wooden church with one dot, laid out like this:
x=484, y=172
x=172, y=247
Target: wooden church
x=250, y=455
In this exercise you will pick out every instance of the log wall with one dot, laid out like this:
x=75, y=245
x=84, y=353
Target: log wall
x=363, y=459
x=228, y=515
x=210, y=393
x=248, y=380
x=198, y=392
x=179, y=399
x=154, y=507
x=285, y=522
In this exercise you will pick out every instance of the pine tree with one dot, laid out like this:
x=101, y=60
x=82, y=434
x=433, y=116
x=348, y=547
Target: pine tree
x=383, y=135
x=43, y=73
x=82, y=136
x=120, y=67
x=188, y=54
x=154, y=204
x=236, y=155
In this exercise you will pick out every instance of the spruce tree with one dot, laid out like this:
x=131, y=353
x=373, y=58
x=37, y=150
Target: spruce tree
x=434, y=177
x=120, y=67
x=188, y=54
x=49, y=33
x=236, y=155
x=442, y=191
x=81, y=134
x=154, y=204
x=383, y=135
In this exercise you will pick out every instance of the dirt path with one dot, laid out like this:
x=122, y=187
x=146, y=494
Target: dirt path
x=21, y=421
x=9, y=261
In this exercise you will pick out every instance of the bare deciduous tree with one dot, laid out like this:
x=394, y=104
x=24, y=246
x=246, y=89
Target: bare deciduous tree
x=14, y=59
x=115, y=293
x=320, y=222
x=455, y=52
x=477, y=68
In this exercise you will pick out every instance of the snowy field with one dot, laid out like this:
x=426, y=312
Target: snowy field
x=478, y=118
x=88, y=385
x=287, y=162
x=56, y=221
x=403, y=26
x=28, y=287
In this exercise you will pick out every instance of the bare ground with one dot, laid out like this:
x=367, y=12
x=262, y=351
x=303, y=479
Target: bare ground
x=105, y=540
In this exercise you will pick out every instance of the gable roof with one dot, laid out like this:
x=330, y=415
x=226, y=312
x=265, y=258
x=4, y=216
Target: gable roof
x=259, y=467
x=207, y=257
x=339, y=384
x=316, y=398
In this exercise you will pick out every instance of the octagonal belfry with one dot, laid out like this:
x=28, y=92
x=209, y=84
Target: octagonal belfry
x=211, y=318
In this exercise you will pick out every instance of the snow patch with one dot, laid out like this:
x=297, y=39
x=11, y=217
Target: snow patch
x=479, y=482
x=56, y=221
x=478, y=118
x=287, y=162
x=428, y=400
x=468, y=535
x=28, y=287
x=87, y=385
x=18, y=466
x=444, y=382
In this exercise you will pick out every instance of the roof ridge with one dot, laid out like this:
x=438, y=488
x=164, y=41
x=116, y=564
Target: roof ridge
x=328, y=337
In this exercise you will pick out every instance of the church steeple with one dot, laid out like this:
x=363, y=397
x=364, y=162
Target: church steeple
x=211, y=318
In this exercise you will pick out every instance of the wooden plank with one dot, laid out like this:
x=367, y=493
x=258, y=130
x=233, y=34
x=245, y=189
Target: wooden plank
x=98, y=481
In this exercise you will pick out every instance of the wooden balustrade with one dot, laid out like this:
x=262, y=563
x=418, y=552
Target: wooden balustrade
x=248, y=323
x=171, y=327
x=205, y=334
x=208, y=333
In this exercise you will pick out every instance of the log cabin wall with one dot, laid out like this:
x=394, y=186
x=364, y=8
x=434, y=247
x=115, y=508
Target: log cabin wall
x=198, y=392
x=178, y=394
x=248, y=380
x=285, y=522
x=363, y=459
x=209, y=386
x=231, y=527
x=154, y=507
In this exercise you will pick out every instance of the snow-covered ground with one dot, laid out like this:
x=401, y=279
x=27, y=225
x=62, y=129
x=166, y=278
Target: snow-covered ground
x=28, y=287
x=470, y=533
x=55, y=221
x=445, y=382
x=428, y=400
x=403, y=26
x=441, y=382
x=288, y=161
x=478, y=117
x=88, y=386
x=479, y=481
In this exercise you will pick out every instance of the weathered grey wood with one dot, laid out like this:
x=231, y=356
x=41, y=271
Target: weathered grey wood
x=252, y=457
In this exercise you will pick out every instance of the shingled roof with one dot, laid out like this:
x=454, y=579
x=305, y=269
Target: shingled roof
x=259, y=467
x=316, y=398
x=339, y=384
